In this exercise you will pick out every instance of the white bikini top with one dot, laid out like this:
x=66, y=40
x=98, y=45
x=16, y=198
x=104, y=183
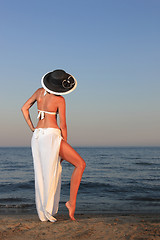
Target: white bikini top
x=41, y=114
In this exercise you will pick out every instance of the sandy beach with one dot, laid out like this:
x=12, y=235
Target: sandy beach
x=108, y=227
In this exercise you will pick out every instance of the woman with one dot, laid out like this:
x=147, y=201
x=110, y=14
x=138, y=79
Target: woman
x=49, y=144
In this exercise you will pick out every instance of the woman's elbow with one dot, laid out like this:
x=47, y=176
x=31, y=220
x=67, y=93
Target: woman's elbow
x=22, y=109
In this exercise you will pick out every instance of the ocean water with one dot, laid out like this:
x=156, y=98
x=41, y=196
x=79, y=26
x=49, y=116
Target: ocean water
x=116, y=180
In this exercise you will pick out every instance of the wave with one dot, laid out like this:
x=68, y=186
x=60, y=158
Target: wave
x=15, y=199
x=17, y=205
x=88, y=186
x=103, y=188
x=5, y=187
x=30, y=185
x=148, y=199
x=12, y=168
x=117, y=188
x=16, y=202
x=145, y=163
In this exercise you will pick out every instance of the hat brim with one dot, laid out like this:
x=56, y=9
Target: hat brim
x=57, y=90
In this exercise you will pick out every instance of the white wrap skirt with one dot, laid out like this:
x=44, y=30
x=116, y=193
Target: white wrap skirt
x=47, y=168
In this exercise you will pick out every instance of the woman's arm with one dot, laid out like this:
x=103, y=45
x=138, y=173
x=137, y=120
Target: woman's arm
x=62, y=116
x=25, y=110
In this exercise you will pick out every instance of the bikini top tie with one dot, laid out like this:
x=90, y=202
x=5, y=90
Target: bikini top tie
x=41, y=114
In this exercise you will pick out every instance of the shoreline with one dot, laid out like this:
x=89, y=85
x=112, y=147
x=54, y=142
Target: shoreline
x=87, y=226
x=64, y=211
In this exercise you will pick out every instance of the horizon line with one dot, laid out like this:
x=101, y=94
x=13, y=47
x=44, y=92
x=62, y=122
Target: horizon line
x=88, y=146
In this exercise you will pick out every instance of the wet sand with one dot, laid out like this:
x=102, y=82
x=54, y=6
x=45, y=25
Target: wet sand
x=108, y=227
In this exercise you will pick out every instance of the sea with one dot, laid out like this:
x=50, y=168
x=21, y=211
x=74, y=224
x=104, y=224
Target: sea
x=124, y=180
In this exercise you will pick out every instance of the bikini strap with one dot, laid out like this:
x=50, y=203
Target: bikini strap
x=41, y=114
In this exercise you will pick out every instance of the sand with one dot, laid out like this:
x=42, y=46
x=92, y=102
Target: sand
x=108, y=227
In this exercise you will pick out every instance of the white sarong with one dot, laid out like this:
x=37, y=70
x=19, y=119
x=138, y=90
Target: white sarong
x=47, y=168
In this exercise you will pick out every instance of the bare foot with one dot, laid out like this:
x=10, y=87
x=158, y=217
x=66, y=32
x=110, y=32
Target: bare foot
x=71, y=210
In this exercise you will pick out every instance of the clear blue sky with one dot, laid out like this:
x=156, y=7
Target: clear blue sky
x=112, y=47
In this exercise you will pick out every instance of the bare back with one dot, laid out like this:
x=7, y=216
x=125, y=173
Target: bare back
x=50, y=103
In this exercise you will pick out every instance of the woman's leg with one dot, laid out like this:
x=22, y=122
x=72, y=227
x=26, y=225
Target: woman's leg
x=70, y=155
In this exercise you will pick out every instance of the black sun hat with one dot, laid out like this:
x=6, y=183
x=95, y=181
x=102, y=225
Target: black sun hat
x=58, y=82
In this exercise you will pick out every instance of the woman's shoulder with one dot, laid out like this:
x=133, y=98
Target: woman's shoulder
x=60, y=99
x=39, y=90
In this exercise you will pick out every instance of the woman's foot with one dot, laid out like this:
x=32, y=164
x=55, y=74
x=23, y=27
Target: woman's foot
x=71, y=210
